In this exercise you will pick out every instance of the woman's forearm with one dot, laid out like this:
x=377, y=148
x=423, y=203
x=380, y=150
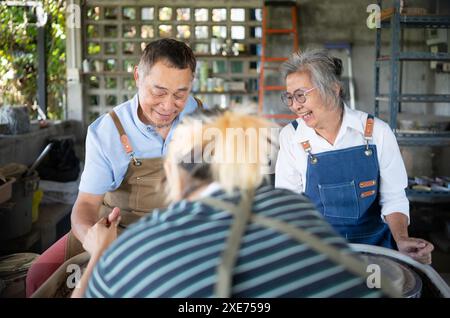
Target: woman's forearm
x=80, y=289
x=398, y=224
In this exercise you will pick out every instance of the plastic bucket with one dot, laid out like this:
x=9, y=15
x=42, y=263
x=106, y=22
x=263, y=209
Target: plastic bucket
x=13, y=273
x=16, y=214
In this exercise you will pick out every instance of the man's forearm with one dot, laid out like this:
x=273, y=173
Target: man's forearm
x=84, y=216
x=398, y=224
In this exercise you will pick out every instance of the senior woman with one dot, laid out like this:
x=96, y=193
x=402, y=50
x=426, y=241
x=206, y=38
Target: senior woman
x=346, y=161
x=227, y=232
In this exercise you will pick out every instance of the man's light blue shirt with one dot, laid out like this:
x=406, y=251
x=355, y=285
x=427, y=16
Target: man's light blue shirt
x=106, y=162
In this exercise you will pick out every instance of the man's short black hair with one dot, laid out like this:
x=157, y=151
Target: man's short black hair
x=173, y=52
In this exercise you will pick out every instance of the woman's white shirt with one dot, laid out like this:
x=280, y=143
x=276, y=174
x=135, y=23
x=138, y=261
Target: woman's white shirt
x=291, y=165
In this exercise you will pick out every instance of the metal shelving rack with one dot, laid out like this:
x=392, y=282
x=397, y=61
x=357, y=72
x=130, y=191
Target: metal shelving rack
x=395, y=97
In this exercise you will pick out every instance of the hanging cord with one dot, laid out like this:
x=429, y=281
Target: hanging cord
x=242, y=215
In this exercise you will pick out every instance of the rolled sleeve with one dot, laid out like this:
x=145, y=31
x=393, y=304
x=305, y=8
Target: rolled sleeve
x=286, y=174
x=393, y=177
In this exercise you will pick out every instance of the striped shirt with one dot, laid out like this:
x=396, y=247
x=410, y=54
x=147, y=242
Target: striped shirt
x=175, y=253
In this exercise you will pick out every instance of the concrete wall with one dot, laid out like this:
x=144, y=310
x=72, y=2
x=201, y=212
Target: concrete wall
x=345, y=21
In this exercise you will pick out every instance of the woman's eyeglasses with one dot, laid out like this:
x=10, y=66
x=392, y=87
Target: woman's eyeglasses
x=299, y=95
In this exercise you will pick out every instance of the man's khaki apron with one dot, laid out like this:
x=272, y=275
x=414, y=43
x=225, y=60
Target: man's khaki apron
x=139, y=193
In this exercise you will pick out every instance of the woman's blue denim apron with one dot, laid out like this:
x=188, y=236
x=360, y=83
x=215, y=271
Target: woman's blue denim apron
x=344, y=186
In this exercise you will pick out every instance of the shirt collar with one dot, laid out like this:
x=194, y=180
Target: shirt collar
x=350, y=120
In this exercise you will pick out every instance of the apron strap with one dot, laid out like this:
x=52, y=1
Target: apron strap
x=348, y=261
x=124, y=138
x=368, y=132
x=199, y=102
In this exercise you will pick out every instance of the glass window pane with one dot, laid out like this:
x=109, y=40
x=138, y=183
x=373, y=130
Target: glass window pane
x=97, y=66
x=219, y=31
x=110, y=65
x=129, y=31
x=129, y=13
x=128, y=48
x=201, y=48
x=93, y=13
x=111, y=31
x=110, y=48
x=237, y=67
x=219, y=15
x=110, y=82
x=183, y=32
x=219, y=67
x=92, y=31
x=237, y=32
x=143, y=46
x=147, y=13
x=93, y=100
x=255, y=14
x=165, y=14
x=237, y=15
x=183, y=14
x=128, y=66
x=128, y=83
x=201, y=32
x=93, y=48
x=256, y=32
x=111, y=13
x=201, y=15
x=165, y=30
x=94, y=82
x=147, y=31
x=111, y=100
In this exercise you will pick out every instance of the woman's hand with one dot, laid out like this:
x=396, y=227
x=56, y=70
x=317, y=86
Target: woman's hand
x=416, y=248
x=96, y=241
x=102, y=234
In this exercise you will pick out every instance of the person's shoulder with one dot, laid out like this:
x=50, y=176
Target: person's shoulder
x=289, y=129
x=105, y=122
x=362, y=116
x=100, y=124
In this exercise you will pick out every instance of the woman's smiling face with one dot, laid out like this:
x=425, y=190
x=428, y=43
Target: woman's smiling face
x=314, y=110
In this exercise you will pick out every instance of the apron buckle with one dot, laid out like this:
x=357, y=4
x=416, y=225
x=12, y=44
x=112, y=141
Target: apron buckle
x=136, y=162
x=314, y=160
x=368, y=151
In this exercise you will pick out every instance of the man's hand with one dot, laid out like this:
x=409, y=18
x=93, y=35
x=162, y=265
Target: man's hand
x=416, y=248
x=102, y=234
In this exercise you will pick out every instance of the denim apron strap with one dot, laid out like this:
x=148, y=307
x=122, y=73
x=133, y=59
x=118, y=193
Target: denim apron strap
x=347, y=260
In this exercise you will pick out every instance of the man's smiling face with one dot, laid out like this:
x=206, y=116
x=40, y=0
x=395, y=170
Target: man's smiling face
x=163, y=93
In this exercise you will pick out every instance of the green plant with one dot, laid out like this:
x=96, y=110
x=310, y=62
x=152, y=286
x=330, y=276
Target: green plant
x=18, y=56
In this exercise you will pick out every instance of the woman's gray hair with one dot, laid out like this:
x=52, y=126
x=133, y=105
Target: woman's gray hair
x=324, y=69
